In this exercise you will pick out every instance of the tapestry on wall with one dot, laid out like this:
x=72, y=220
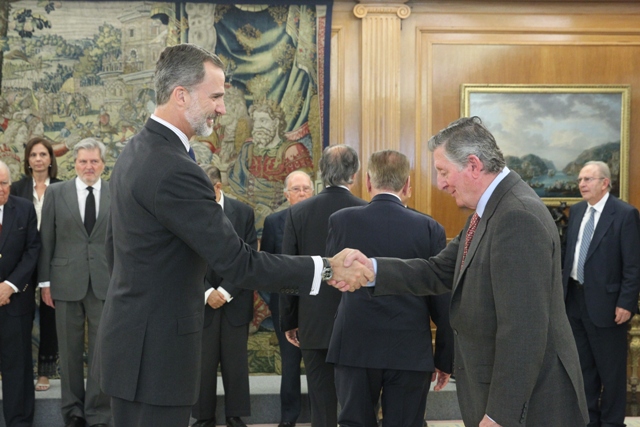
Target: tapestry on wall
x=73, y=69
x=77, y=69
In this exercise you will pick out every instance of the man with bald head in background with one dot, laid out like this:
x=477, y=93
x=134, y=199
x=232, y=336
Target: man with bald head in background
x=297, y=187
x=601, y=282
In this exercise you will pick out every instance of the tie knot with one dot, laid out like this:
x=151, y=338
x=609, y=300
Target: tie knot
x=90, y=189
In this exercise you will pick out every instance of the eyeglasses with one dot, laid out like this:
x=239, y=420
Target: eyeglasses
x=586, y=180
x=300, y=190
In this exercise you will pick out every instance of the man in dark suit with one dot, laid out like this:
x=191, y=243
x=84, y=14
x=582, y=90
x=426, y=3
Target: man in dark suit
x=516, y=362
x=227, y=314
x=297, y=187
x=165, y=228
x=19, y=248
x=401, y=363
x=73, y=275
x=307, y=321
x=601, y=281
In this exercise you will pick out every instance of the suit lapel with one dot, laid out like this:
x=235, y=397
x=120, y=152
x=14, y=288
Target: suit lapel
x=8, y=217
x=572, y=234
x=70, y=196
x=606, y=218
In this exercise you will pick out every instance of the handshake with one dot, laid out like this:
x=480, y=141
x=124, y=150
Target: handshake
x=351, y=270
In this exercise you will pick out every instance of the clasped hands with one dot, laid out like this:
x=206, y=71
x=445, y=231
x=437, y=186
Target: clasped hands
x=351, y=270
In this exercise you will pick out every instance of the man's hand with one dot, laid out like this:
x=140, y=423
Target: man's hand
x=5, y=293
x=488, y=422
x=45, y=293
x=442, y=377
x=292, y=337
x=351, y=270
x=622, y=315
x=216, y=299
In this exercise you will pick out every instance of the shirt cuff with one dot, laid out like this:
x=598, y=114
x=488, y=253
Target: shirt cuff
x=375, y=271
x=44, y=284
x=227, y=295
x=12, y=286
x=317, y=272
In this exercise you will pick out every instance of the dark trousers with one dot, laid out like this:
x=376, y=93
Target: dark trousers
x=603, y=359
x=137, y=414
x=290, y=356
x=226, y=345
x=18, y=396
x=404, y=396
x=48, y=348
x=322, y=389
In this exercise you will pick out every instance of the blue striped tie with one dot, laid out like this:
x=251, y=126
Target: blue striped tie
x=192, y=154
x=587, y=234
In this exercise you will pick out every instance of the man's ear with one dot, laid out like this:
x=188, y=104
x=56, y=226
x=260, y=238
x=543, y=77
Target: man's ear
x=181, y=95
x=368, y=183
x=475, y=165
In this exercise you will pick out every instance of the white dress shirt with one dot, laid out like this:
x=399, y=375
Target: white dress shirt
x=596, y=217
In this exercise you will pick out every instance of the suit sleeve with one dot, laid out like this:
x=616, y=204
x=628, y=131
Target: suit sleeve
x=630, y=250
x=289, y=303
x=250, y=237
x=22, y=272
x=47, y=235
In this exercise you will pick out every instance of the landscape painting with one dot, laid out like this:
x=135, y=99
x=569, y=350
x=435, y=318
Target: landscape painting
x=547, y=133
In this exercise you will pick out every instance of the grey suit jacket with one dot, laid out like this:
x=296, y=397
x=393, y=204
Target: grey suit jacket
x=514, y=345
x=69, y=257
x=165, y=228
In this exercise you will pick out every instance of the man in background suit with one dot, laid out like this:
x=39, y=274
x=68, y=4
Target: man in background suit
x=19, y=248
x=226, y=326
x=601, y=280
x=297, y=187
x=73, y=275
x=165, y=228
x=401, y=363
x=308, y=322
x=515, y=360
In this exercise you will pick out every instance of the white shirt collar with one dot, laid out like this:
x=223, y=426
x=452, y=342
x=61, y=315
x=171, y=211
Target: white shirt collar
x=600, y=205
x=221, y=201
x=484, y=199
x=46, y=182
x=181, y=135
x=80, y=185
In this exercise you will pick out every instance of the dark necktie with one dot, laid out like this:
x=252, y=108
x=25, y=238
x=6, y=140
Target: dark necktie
x=587, y=234
x=192, y=154
x=475, y=219
x=90, y=211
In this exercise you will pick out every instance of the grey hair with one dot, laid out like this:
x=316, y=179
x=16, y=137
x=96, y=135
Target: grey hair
x=465, y=137
x=181, y=65
x=338, y=164
x=213, y=173
x=4, y=166
x=291, y=175
x=603, y=168
x=388, y=170
x=90, y=144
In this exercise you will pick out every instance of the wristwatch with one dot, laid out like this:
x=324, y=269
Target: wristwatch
x=327, y=271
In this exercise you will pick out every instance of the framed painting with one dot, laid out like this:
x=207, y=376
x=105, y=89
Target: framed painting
x=548, y=132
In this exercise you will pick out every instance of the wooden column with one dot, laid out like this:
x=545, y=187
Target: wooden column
x=381, y=27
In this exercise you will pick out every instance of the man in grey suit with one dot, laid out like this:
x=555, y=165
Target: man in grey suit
x=73, y=275
x=165, y=229
x=516, y=362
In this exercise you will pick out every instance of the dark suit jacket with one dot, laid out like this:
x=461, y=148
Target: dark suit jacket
x=273, y=231
x=612, y=267
x=70, y=257
x=398, y=324
x=19, y=248
x=514, y=345
x=24, y=187
x=165, y=228
x=240, y=310
x=305, y=233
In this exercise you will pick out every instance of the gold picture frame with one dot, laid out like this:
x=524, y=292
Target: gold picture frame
x=548, y=132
